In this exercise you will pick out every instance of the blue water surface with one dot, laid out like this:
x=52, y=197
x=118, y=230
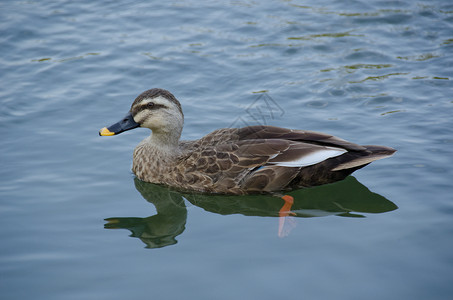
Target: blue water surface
x=75, y=224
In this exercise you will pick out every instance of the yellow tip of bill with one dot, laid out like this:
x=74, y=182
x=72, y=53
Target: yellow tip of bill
x=105, y=132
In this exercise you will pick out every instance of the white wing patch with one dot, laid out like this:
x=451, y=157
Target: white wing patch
x=312, y=158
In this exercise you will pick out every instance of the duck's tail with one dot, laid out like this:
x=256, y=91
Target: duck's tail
x=371, y=154
x=338, y=168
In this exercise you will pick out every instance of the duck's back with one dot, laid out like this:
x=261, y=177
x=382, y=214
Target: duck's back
x=266, y=159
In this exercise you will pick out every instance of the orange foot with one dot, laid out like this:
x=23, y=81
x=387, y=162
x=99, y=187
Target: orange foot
x=285, y=212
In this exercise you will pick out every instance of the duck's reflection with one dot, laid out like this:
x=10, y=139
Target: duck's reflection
x=161, y=229
x=347, y=198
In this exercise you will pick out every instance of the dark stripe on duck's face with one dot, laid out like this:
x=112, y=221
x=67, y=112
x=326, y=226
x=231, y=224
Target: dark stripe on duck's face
x=139, y=108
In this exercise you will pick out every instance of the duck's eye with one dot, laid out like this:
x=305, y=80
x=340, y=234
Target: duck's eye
x=150, y=104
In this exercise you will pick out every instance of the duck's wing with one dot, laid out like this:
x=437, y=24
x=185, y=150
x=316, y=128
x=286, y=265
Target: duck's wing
x=355, y=155
x=266, y=158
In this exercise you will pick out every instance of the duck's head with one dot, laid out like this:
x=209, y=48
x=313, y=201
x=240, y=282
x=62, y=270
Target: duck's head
x=156, y=109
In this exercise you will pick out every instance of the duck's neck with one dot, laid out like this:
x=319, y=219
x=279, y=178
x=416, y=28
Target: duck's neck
x=165, y=140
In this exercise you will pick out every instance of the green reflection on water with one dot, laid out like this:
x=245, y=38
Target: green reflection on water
x=328, y=35
x=421, y=57
x=368, y=66
x=347, y=198
x=392, y=112
x=65, y=59
x=377, y=78
x=352, y=68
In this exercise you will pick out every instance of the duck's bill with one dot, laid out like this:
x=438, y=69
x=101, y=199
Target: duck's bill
x=127, y=123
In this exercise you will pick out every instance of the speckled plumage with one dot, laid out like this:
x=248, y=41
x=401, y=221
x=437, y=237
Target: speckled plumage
x=255, y=159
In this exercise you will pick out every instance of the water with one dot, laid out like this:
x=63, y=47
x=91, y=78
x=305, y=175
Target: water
x=373, y=72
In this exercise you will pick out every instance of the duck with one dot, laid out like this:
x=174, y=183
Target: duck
x=259, y=159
